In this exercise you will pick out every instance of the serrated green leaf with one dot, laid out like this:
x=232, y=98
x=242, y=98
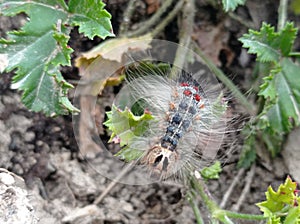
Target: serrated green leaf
x=127, y=127
x=248, y=154
x=269, y=45
x=38, y=50
x=284, y=114
x=211, y=172
x=267, y=89
x=91, y=18
x=129, y=154
x=283, y=199
x=293, y=216
x=232, y=4
x=261, y=43
x=286, y=38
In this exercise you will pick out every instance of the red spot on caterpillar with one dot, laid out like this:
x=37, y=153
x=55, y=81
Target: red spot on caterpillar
x=184, y=84
x=187, y=92
x=196, y=88
x=197, y=97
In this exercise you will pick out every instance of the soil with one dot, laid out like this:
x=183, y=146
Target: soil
x=62, y=186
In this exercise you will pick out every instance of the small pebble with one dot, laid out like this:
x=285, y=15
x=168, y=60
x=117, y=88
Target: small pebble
x=6, y=179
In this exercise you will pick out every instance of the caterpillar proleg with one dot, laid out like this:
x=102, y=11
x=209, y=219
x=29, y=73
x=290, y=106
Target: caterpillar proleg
x=189, y=120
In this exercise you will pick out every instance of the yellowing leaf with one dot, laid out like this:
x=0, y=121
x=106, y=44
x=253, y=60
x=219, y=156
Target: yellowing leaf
x=114, y=49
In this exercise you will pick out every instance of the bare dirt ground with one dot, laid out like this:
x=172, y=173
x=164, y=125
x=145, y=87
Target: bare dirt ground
x=62, y=187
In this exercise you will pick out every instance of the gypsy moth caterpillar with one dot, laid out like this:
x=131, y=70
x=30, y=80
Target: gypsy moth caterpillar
x=188, y=126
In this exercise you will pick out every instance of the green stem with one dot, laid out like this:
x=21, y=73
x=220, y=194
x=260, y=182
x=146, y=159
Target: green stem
x=282, y=14
x=152, y=21
x=218, y=213
x=241, y=20
x=226, y=81
x=199, y=187
x=184, y=36
x=191, y=200
x=236, y=215
x=294, y=54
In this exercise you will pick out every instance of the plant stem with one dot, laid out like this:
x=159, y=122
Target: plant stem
x=127, y=17
x=197, y=184
x=237, y=215
x=168, y=19
x=191, y=200
x=241, y=20
x=282, y=14
x=226, y=81
x=152, y=21
x=186, y=30
x=218, y=213
x=294, y=54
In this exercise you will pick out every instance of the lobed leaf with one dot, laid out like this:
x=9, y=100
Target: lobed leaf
x=211, y=172
x=37, y=51
x=283, y=201
x=269, y=45
x=91, y=17
x=126, y=128
x=284, y=114
x=232, y=4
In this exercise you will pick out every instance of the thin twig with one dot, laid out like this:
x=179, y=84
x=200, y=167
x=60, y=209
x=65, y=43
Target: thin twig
x=241, y=20
x=168, y=18
x=144, y=27
x=186, y=30
x=245, y=191
x=226, y=81
x=127, y=17
x=192, y=201
x=282, y=14
x=113, y=183
x=231, y=187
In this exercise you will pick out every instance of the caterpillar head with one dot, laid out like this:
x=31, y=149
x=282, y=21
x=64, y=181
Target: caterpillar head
x=162, y=162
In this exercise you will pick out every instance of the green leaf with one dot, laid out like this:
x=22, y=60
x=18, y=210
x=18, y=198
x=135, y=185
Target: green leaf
x=37, y=51
x=286, y=38
x=269, y=45
x=127, y=128
x=129, y=154
x=248, y=154
x=211, y=172
x=284, y=114
x=282, y=201
x=267, y=89
x=261, y=43
x=293, y=216
x=125, y=125
x=232, y=4
x=91, y=18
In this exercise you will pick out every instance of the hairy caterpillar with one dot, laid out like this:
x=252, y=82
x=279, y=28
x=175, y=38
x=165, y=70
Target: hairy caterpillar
x=189, y=123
